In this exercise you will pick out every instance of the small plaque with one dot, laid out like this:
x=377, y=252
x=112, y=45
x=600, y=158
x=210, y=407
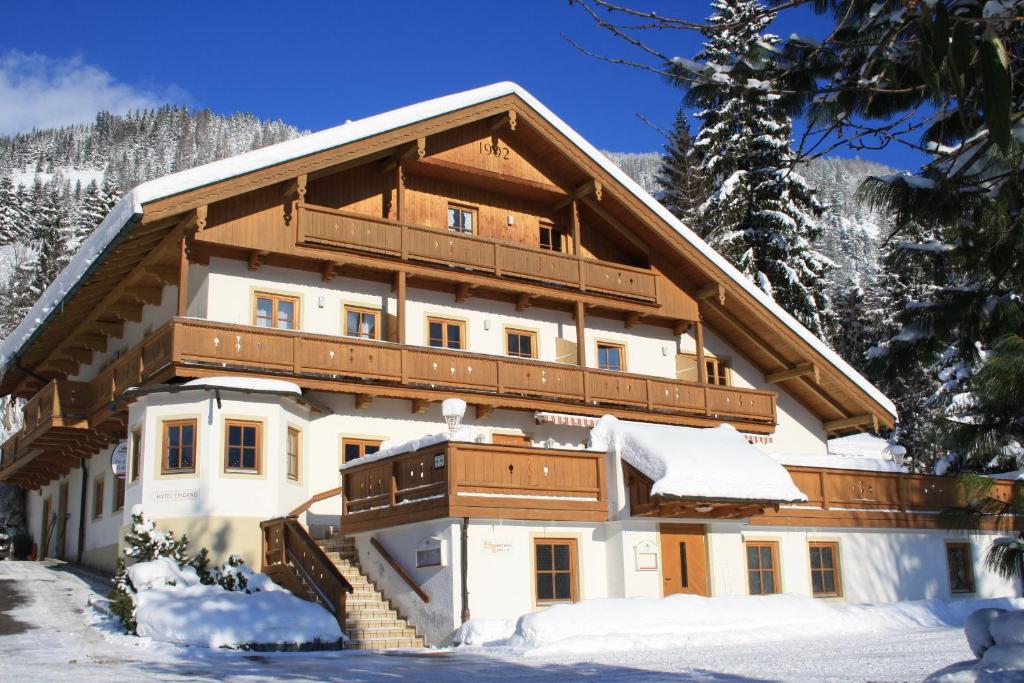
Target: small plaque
x=646, y=554
x=439, y=461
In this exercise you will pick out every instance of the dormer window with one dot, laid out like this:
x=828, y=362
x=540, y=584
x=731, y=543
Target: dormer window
x=461, y=219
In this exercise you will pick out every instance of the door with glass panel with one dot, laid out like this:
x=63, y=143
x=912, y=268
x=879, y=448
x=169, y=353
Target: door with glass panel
x=684, y=559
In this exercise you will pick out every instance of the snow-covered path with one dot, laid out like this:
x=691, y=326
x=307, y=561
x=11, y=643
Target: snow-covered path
x=50, y=634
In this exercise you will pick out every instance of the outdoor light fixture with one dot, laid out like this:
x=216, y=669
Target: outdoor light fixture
x=453, y=409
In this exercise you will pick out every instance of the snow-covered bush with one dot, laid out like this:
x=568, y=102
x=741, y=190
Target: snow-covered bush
x=976, y=628
x=996, y=637
x=161, y=560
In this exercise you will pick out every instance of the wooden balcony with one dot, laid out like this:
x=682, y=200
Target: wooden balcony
x=357, y=365
x=319, y=226
x=836, y=498
x=55, y=434
x=455, y=479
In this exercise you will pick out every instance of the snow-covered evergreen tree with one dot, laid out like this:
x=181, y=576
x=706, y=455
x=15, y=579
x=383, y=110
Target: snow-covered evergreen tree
x=97, y=201
x=760, y=214
x=682, y=186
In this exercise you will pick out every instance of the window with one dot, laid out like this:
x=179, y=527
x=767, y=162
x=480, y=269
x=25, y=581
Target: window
x=461, y=219
x=118, y=493
x=136, y=459
x=521, y=343
x=718, y=371
x=274, y=310
x=351, y=449
x=611, y=356
x=242, y=446
x=446, y=334
x=762, y=571
x=362, y=322
x=293, y=453
x=552, y=239
x=961, y=567
x=555, y=567
x=97, y=497
x=179, y=447
x=825, y=579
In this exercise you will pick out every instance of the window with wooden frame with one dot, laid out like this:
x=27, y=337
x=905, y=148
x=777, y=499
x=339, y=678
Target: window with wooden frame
x=718, y=370
x=461, y=219
x=119, y=484
x=826, y=580
x=763, y=567
x=275, y=310
x=136, y=459
x=520, y=343
x=552, y=238
x=293, y=452
x=446, y=334
x=353, y=449
x=555, y=569
x=611, y=356
x=178, y=454
x=362, y=322
x=97, y=496
x=961, y=567
x=242, y=443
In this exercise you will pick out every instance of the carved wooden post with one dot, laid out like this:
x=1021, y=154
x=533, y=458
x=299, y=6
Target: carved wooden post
x=581, y=341
x=702, y=368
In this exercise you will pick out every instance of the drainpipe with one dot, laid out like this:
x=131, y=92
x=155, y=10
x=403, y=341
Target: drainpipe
x=81, y=513
x=465, y=569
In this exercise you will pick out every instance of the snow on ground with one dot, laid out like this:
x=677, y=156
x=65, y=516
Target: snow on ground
x=48, y=633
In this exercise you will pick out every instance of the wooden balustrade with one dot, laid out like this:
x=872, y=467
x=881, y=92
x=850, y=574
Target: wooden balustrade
x=326, y=227
x=252, y=348
x=455, y=479
x=292, y=558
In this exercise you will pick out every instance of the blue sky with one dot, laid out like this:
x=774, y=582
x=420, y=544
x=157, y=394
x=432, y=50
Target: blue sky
x=316, y=65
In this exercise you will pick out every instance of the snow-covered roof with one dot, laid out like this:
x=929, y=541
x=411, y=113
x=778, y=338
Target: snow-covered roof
x=839, y=462
x=246, y=384
x=131, y=207
x=696, y=463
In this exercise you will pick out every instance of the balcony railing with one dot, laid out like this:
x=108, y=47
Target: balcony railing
x=455, y=479
x=298, y=353
x=326, y=227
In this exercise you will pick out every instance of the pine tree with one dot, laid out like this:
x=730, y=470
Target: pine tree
x=761, y=214
x=19, y=292
x=11, y=215
x=97, y=201
x=683, y=188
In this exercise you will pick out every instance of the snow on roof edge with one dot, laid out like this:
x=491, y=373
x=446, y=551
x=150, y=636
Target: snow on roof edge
x=217, y=171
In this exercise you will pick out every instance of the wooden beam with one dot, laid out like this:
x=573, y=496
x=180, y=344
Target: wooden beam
x=96, y=342
x=579, y=313
x=329, y=270
x=715, y=290
x=109, y=328
x=802, y=370
x=523, y=301
x=591, y=187
x=615, y=223
x=128, y=311
x=363, y=401
x=848, y=422
x=78, y=354
x=419, y=405
x=702, y=366
x=483, y=411
x=502, y=120
x=296, y=187
x=681, y=327
x=632, y=318
x=256, y=257
x=463, y=291
x=147, y=295
x=400, y=296
x=165, y=273
x=574, y=216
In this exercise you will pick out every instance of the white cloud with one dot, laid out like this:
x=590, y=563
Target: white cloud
x=37, y=91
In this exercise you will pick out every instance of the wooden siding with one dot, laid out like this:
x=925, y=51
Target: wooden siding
x=474, y=480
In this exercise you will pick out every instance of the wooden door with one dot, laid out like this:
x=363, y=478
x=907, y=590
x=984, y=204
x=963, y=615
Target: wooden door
x=44, y=538
x=684, y=559
x=62, y=521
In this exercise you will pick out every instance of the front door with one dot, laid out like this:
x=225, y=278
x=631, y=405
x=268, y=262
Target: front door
x=684, y=559
x=62, y=521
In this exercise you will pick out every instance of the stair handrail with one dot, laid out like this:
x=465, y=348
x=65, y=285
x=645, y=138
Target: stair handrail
x=399, y=570
x=323, y=495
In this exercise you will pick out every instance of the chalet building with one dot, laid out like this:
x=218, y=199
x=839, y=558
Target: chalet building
x=259, y=351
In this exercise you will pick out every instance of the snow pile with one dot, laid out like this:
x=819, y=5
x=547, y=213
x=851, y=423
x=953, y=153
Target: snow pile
x=174, y=607
x=606, y=625
x=689, y=462
x=996, y=637
x=864, y=452
x=246, y=384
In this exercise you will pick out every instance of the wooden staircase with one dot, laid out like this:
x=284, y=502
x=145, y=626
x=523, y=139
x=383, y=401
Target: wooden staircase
x=370, y=621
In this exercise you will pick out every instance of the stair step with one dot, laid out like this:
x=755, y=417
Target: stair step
x=381, y=632
x=383, y=643
x=379, y=615
x=366, y=602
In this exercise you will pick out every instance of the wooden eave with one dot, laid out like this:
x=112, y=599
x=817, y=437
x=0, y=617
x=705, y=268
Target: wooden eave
x=773, y=347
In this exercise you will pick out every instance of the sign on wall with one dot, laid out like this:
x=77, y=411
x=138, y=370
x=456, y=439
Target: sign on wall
x=119, y=460
x=646, y=555
x=175, y=496
x=496, y=546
